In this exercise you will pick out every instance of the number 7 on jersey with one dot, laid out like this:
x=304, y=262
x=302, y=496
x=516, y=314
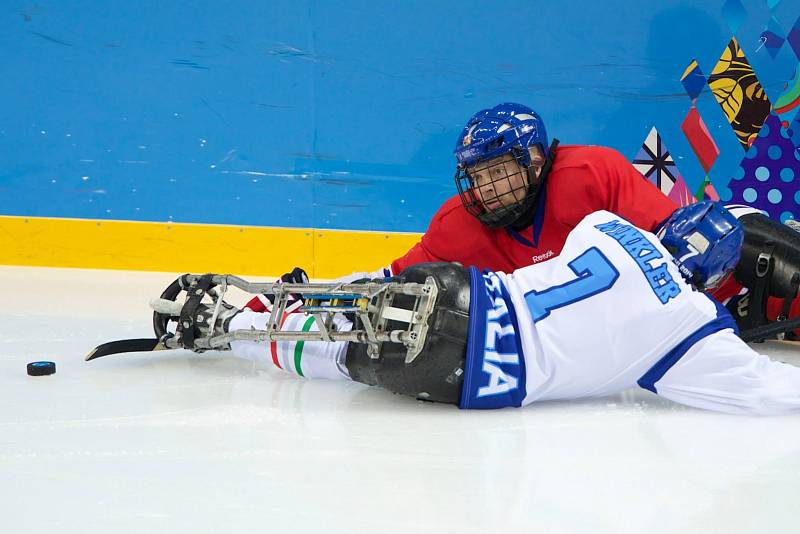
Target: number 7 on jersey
x=594, y=273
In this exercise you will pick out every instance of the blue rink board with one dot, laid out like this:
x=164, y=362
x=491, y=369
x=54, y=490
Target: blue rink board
x=333, y=114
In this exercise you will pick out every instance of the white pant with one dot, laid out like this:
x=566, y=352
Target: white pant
x=311, y=359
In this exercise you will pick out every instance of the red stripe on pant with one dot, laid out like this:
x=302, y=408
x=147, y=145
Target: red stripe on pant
x=256, y=305
x=273, y=345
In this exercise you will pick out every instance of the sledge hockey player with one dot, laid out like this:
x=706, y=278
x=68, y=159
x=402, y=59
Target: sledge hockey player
x=617, y=308
x=520, y=196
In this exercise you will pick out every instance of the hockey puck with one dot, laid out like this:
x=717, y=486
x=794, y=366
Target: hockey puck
x=41, y=368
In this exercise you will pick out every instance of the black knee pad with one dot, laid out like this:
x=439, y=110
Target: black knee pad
x=769, y=267
x=767, y=241
x=437, y=373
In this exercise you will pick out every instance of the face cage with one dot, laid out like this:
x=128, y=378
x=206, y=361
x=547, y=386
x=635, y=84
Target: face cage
x=498, y=215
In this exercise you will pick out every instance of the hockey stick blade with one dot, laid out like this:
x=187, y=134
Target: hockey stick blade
x=125, y=345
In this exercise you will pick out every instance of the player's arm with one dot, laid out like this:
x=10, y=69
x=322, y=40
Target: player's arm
x=419, y=253
x=722, y=373
x=605, y=180
x=712, y=368
x=439, y=242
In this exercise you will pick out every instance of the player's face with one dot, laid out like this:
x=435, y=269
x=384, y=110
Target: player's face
x=502, y=181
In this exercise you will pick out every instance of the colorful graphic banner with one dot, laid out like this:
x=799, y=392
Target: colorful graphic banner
x=706, y=191
x=733, y=13
x=769, y=175
x=693, y=80
x=680, y=194
x=655, y=163
x=794, y=37
x=772, y=37
x=739, y=93
x=790, y=98
x=700, y=139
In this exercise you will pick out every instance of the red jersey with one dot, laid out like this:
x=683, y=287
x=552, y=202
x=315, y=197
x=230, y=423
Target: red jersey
x=583, y=179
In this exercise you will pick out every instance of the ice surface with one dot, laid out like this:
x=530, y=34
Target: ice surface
x=177, y=442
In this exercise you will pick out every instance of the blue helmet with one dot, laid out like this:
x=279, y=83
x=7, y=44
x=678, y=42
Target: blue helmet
x=492, y=133
x=705, y=240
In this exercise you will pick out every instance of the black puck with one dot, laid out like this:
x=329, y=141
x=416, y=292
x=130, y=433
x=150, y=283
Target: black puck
x=41, y=368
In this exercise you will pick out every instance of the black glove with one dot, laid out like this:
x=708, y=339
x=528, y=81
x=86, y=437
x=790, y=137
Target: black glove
x=295, y=276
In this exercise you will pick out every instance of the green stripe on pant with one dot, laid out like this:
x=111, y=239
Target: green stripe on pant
x=298, y=348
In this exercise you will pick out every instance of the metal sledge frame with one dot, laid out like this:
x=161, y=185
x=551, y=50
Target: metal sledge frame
x=371, y=302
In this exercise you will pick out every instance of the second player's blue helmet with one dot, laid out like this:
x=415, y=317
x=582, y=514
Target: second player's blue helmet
x=705, y=241
x=491, y=137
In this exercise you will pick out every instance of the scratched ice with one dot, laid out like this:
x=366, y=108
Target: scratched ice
x=177, y=442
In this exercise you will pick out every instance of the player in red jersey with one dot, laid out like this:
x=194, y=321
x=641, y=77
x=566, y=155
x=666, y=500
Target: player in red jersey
x=520, y=196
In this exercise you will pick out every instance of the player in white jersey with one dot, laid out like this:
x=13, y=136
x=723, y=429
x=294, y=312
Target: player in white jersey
x=638, y=321
x=611, y=312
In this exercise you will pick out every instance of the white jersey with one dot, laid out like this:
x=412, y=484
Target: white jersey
x=610, y=312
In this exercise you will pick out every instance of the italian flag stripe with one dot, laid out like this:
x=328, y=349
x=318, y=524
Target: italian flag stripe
x=298, y=348
x=273, y=345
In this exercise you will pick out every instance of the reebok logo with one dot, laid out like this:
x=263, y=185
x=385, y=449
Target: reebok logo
x=541, y=257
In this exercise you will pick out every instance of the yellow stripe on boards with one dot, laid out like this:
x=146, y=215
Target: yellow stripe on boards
x=174, y=247
x=340, y=252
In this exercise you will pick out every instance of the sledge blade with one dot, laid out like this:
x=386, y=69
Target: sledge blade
x=125, y=345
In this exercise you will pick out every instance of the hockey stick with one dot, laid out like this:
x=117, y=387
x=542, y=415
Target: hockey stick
x=770, y=331
x=127, y=345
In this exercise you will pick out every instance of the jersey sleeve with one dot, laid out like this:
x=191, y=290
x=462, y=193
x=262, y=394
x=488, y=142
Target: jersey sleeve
x=605, y=180
x=419, y=253
x=437, y=244
x=722, y=373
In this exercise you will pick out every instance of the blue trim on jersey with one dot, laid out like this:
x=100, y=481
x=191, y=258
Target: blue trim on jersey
x=494, y=369
x=723, y=321
x=722, y=311
x=476, y=333
x=538, y=217
x=520, y=238
x=536, y=226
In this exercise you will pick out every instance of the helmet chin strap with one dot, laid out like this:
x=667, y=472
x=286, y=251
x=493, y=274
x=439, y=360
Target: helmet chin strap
x=526, y=218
